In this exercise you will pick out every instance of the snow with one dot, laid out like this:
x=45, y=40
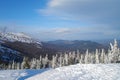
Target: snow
x=21, y=37
x=81, y=72
x=19, y=74
x=73, y=72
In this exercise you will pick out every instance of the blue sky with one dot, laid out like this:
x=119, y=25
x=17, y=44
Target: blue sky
x=62, y=19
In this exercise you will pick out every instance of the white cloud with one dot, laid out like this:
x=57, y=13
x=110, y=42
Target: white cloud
x=62, y=30
x=72, y=33
x=95, y=11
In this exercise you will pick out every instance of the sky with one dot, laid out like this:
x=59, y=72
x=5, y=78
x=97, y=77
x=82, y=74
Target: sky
x=62, y=19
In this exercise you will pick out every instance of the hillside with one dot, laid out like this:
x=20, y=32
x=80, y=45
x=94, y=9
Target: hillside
x=82, y=45
x=14, y=43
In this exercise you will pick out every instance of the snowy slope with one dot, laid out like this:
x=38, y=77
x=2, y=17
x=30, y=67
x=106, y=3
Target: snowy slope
x=82, y=72
x=21, y=37
x=19, y=74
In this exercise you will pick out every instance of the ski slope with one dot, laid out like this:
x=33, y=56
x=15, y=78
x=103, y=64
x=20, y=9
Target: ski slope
x=19, y=74
x=73, y=72
x=81, y=72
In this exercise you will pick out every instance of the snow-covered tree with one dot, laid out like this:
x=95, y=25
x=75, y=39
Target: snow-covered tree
x=102, y=56
x=66, y=59
x=81, y=59
x=86, y=57
x=9, y=66
x=97, y=57
x=60, y=60
x=33, y=63
x=25, y=63
x=77, y=57
x=18, y=66
x=53, y=61
x=45, y=61
x=13, y=65
x=92, y=58
x=38, y=64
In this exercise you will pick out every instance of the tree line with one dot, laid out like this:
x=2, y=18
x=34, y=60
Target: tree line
x=70, y=58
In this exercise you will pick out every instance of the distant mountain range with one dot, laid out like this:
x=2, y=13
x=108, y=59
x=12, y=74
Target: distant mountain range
x=66, y=45
x=107, y=42
x=21, y=44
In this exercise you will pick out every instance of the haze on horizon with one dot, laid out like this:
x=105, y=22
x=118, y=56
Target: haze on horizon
x=62, y=19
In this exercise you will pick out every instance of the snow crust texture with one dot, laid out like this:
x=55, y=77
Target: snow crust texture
x=81, y=72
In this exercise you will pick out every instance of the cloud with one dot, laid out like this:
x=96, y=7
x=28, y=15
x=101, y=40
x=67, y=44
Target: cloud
x=89, y=11
x=62, y=30
x=80, y=33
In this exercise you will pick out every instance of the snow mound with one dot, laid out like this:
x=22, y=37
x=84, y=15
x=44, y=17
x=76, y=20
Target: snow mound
x=81, y=72
x=21, y=37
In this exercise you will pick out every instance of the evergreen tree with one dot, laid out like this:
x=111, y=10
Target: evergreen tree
x=33, y=63
x=18, y=66
x=53, y=62
x=13, y=65
x=86, y=57
x=66, y=59
x=102, y=56
x=25, y=63
x=60, y=60
x=97, y=57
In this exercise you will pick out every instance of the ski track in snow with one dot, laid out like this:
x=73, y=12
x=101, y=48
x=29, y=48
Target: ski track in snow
x=81, y=72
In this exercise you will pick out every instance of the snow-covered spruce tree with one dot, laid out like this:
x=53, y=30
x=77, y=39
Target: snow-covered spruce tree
x=69, y=57
x=33, y=63
x=18, y=66
x=45, y=61
x=13, y=65
x=66, y=59
x=102, y=56
x=25, y=64
x=53, y=62
x=110, y=56
x=82, y=59
x=60, y=60
x=9, y=66
x=77, y=57
x=92, y=58
x=40, y=60
x=63, y=61
x=38, y=64
x=115, y=51
x=106, y=60
x=73, y=57
x=22, y=64
x=97, y=57
x=56, y=58
x=86, y=57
